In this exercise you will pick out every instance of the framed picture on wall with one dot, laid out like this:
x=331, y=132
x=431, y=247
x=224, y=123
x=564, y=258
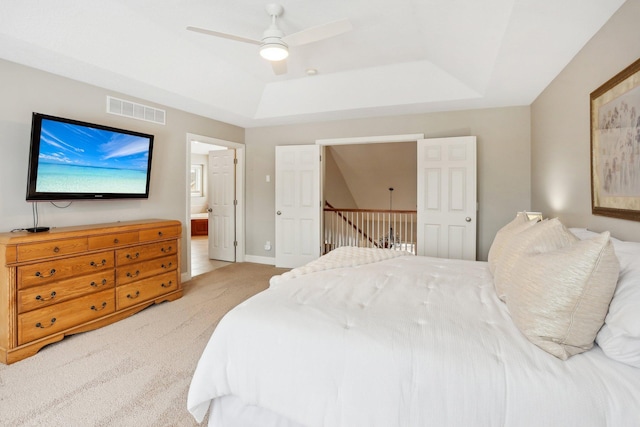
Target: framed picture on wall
x=615, y=146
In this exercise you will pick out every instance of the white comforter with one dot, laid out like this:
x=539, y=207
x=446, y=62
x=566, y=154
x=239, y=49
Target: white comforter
x=407, y=341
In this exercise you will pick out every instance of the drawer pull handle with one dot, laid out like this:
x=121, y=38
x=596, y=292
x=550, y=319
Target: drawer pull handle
x=40, y=298
x=56, y=249
x=100, y=264
x=167, y=285
x=41, y=326
x=94, y=308
x=160, y=233
x=116, y=241
x=167, y=265
x=133, y=296
x=95, y=285
x=129, y=256
x=51, y=273
x=129, y=274
x=167, y=250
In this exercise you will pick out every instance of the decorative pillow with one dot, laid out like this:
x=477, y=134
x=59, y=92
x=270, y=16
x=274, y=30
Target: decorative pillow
x=559, y=299
x=583, y=233
x=619, y=337
x=518, y=224
x=545, y=236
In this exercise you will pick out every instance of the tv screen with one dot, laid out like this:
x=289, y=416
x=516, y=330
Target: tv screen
x=70, y=160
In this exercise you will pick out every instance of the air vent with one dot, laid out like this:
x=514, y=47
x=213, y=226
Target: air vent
x=134, y=110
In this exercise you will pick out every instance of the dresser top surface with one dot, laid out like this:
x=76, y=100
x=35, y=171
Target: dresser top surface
x=55, y=233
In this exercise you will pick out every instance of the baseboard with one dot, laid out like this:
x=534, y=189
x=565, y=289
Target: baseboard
x=260, y=259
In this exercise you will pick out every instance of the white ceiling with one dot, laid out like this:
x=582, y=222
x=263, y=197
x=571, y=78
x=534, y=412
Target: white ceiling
x=402, y=56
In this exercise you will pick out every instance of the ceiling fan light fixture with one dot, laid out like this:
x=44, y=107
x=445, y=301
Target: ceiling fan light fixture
x=274, y=50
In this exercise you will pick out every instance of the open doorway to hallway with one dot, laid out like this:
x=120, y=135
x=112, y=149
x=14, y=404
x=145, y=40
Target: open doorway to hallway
x=202, y=203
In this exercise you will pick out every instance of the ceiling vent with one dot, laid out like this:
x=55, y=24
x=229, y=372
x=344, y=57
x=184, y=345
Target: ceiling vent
x=134, y=110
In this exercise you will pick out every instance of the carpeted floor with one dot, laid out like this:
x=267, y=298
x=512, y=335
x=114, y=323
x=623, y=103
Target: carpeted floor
x=132, y=373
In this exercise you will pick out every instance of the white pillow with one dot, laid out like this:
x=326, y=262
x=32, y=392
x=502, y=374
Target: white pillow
x=619, y=337
x=559, y=299
x=583, y=233
x=519, y=223
x=544, y=236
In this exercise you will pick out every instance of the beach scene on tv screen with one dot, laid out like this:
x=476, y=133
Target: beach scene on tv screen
x=81, y=159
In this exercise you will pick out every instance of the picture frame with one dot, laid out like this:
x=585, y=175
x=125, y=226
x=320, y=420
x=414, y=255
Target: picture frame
x=615, y=146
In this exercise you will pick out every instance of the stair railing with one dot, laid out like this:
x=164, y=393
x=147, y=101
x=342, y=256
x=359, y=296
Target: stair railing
x=391, y=229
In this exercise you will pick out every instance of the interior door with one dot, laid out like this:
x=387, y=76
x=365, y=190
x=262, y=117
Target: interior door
x=298, y=205
x=222, y=205
x=447, y=201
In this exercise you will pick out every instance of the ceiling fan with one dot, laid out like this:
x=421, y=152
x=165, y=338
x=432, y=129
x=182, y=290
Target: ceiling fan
x=274, y=45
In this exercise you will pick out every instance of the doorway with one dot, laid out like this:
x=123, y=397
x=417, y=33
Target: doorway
x=447, y=174
x=199, y=185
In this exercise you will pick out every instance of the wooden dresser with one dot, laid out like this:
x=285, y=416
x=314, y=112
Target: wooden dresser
x=75, y=279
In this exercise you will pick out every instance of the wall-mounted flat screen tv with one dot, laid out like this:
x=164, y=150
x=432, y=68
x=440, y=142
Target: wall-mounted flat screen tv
x=70, y=160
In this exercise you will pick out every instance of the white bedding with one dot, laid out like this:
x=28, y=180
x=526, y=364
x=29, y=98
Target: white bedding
x=345, y=256
x=407, y=341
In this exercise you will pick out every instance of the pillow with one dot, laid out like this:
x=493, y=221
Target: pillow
x=559, y=299
x=518, y=224
x=619, y=337
x=545, y=236
x=583, y=233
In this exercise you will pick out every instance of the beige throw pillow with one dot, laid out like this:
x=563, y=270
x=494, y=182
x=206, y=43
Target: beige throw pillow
x=544, y=236
x=518, y=224
x=559, y=299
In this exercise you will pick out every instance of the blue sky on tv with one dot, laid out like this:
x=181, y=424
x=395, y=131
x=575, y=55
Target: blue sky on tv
x=72, y=144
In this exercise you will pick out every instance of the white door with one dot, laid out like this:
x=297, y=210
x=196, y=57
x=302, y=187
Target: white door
x=447, y=197
x=221, y=196
x=298, y=205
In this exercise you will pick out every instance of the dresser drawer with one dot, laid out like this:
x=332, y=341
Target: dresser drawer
x=50, y=271
x=130, y=272
x=146, y=289
x=112, y=240
x=158, y=233
x=54, y=248
x=146, y=252
x=52, y=293
x=58, y=317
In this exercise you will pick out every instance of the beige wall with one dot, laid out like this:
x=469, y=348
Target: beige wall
x=560, y=126
x=371, y=169
x=24, y=90
x=335, y=188
x=503, y=162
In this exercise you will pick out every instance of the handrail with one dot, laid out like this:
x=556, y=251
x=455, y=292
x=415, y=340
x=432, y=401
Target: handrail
x=371, y=210
x=333, y=209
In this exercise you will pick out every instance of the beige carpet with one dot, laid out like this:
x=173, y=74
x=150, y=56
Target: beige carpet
x=133, y=373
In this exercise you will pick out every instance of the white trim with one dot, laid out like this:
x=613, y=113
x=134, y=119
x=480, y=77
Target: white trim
x=371, y=139
x=260, y=259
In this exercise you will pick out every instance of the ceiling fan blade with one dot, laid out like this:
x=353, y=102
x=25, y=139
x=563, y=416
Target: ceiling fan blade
x=319, y=32
x=279, y=67
x=223, y=35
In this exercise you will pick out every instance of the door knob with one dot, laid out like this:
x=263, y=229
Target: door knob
x=278, y=213
x=468, y=219
x=210, y=210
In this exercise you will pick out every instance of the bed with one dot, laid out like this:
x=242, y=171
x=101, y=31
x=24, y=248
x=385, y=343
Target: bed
x=374, y=337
